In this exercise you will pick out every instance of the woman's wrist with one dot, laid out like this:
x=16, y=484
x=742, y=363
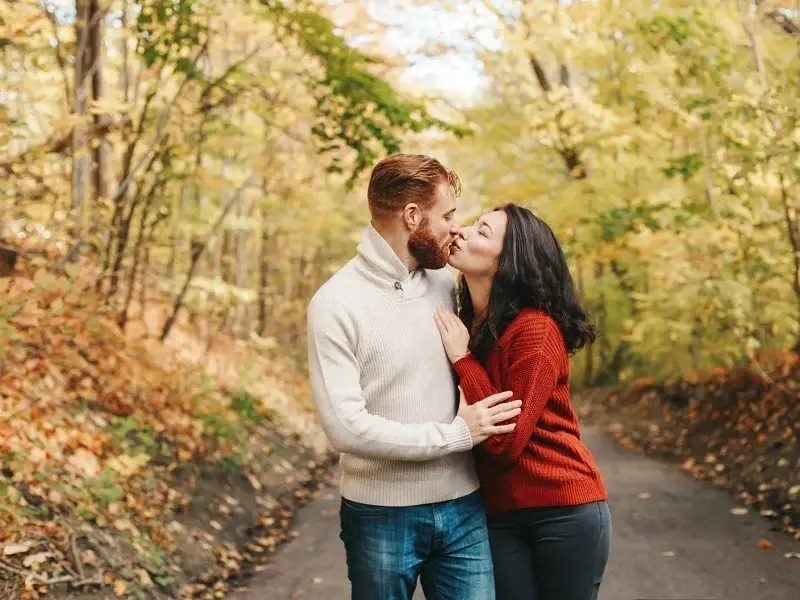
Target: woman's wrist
x=455, y=359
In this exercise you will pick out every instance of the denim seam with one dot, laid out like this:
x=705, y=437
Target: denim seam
x=595, y=584
x=435, y=585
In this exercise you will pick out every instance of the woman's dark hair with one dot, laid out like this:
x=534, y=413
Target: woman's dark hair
x=532, y=273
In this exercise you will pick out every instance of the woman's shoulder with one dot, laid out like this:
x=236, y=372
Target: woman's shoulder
x=533, y=318
x=533, y=328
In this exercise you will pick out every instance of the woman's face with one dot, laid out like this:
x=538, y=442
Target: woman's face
x=476, y=251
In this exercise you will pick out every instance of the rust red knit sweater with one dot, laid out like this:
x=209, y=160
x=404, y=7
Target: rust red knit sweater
x=543, y=462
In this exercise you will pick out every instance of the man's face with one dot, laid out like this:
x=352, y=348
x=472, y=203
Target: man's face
x=430, y=243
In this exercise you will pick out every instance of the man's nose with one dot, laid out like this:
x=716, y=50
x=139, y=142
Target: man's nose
x=456, y=230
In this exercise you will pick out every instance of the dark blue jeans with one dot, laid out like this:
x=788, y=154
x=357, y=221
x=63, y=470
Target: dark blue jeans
x=445, y=545
x=551, y=553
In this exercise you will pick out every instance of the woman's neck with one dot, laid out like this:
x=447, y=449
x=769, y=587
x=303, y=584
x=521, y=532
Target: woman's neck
x=479, y=290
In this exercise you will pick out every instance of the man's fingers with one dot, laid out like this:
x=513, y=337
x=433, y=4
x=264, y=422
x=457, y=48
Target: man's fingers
x=500, y=429
x=505, y=415
x=498, y=408
x=496, y=398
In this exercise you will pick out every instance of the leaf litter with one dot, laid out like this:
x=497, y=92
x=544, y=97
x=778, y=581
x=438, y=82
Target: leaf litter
x=116, y=456
x=737, y=429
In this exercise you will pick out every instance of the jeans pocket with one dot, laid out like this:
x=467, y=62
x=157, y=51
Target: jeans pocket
x=359, y=509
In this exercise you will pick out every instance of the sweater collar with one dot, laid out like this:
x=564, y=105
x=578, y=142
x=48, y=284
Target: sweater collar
x=379, y=260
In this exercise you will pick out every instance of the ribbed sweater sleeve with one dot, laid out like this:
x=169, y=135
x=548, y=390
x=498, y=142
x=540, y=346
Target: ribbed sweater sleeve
x=532, y=376
x=337, y=392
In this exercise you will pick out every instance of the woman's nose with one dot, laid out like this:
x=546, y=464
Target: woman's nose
x=465, y=232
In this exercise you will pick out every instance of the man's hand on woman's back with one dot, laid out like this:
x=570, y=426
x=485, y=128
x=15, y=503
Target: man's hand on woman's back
x=484, y=417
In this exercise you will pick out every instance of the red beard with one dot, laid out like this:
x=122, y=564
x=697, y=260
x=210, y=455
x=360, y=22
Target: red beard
x=424, y=247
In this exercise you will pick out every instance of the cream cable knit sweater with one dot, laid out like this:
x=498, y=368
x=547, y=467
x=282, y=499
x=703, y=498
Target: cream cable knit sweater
x=382, y=382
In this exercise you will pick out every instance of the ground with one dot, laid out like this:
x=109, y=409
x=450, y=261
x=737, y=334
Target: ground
x=674, y=538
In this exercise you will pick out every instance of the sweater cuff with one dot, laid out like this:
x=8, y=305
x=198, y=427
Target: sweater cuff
x=465, y=363
x=472, y=378
x=459, y=439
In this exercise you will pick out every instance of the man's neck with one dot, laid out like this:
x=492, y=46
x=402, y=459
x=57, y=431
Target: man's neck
x=399, y=243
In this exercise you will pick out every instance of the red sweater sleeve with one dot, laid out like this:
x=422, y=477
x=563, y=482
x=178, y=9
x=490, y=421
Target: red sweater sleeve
x=532, y=377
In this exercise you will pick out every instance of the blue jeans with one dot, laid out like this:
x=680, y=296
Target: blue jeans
x=551, y=553
x=445, y=545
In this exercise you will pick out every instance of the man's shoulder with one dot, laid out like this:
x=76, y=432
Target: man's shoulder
x=337, y=290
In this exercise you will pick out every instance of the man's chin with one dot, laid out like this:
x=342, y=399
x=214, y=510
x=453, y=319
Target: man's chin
x=435, y=265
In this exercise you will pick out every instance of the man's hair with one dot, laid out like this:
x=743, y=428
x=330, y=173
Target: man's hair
x=401, y=179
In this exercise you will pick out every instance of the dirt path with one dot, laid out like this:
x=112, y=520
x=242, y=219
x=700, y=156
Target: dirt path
x=674, y=538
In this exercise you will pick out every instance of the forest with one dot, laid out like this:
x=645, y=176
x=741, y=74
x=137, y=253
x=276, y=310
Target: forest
x=177, y=177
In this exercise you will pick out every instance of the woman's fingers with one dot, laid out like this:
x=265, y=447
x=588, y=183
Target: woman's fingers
x=452, y=319
x=437, y=317
x=449, y=320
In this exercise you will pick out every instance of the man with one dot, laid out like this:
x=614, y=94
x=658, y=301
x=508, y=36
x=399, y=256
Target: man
x=387, y=398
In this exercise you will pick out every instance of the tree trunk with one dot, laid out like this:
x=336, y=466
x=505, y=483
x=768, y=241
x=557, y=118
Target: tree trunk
x=157, y=187
x=8, y=259
x=263, y=272
x=241, y=325
x=604, y=345
x=101, y=149
x=80, y=150
x=125, y=74
x=570, y=154
x=122, y=232
x=793, y=229
x=588, y=371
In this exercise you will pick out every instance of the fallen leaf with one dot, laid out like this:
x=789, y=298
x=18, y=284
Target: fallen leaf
x=36, y=559
x=10, y=549
x=85, y=462
x=125, y=525
x=120, y=587
x=128, y=465
x=792, y=555
x=644, y=495
x=216, y=525
x=764, y=544
x=317, y=580
x=739, y=511
x=144, y=578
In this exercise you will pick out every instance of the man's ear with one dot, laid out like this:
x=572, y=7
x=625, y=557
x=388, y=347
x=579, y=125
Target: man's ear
x=412, y=216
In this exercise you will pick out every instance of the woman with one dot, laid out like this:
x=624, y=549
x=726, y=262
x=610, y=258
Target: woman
x=548, y=515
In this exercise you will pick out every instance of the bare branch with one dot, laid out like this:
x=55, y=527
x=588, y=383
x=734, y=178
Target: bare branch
x=160, y=127
x=197, y=255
